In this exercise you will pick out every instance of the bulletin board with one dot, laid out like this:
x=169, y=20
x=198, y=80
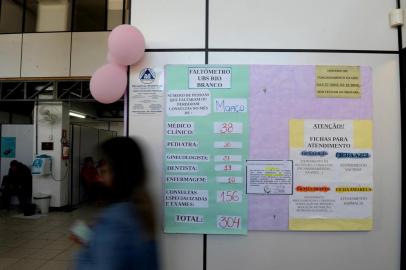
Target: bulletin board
x=266, y=147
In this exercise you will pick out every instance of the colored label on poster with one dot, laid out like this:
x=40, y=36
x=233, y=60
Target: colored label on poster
x=333, y=173
x=338, y=82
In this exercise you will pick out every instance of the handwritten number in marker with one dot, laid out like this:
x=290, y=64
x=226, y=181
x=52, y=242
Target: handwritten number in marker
x=229, y=196
x=231, y=179
x=226, y=128
x=227, y=222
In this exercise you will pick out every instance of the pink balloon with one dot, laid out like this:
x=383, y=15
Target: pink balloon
x=112, y=60
x=126, y=44
x=108, y=83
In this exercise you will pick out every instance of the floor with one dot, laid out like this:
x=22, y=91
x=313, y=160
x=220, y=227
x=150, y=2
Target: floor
x=28, y=244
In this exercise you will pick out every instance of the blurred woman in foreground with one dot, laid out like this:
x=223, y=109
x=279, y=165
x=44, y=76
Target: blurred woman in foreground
x=123, y=236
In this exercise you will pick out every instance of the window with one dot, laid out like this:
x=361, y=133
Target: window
x=89, y=15
x=11, y=16
x=30, y=16
x=115, y=13
x=47, y=15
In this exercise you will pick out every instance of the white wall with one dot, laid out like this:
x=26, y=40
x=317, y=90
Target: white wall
x=319, y=24
x=10, y=55
x=52, y=54
x=403, y=6
x=56, y=184
x=46, y=55
x=175, y=24
x=274, y=24
x=89, y=51
x=23, y=135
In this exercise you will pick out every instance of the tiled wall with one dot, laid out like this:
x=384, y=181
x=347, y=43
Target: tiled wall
x=295, y=32
x=57, y=54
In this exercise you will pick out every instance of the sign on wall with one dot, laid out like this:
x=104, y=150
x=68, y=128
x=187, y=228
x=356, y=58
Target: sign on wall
x=333, y=174
x=8, y=147
x=146, y=91
x=206, y=145
x=267, y=148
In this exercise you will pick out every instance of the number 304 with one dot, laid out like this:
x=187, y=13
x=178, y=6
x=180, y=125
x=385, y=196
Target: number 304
x=229, y=222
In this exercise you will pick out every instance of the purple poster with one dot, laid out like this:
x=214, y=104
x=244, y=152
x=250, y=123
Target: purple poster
x=278, y=94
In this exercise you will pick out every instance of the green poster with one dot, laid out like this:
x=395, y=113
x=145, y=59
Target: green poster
x=206, y=147
x=8, y=147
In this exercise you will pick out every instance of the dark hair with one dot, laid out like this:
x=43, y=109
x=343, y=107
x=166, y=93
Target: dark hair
x=14, y=163
x=124, y=157
x=88, y=159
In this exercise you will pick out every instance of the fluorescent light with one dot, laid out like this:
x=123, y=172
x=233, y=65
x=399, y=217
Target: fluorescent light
x=75, y=114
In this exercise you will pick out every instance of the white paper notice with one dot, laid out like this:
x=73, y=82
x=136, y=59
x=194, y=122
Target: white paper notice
x=182, y=168
x=230, y=105
x=209, y=77
x=274, y=177
x=146, y=91
x=187, y=157
x=186, y=179
x=188, y=198
x=182, y=144
x=227, y=167
x=190, y=219
x=180, y=128
x=188, y=103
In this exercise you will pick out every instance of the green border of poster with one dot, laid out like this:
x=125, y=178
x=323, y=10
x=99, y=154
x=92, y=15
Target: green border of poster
x=205, y=206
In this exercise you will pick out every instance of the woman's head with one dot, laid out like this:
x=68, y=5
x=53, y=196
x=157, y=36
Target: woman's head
x=123, y=169
x=88, y=161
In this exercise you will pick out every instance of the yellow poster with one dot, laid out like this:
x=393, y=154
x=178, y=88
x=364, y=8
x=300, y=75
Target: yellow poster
x=332, y=168
x=338, y=82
